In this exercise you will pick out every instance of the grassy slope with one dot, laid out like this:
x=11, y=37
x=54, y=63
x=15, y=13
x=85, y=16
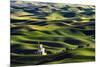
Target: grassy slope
x=66, y=31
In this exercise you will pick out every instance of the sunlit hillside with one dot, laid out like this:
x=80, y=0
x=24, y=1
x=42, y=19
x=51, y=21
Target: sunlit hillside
x=66, y=31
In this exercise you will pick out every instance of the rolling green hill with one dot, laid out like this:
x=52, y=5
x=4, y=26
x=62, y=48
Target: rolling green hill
x=66, y=31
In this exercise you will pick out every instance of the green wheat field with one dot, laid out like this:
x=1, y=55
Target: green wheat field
x=66, y=31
